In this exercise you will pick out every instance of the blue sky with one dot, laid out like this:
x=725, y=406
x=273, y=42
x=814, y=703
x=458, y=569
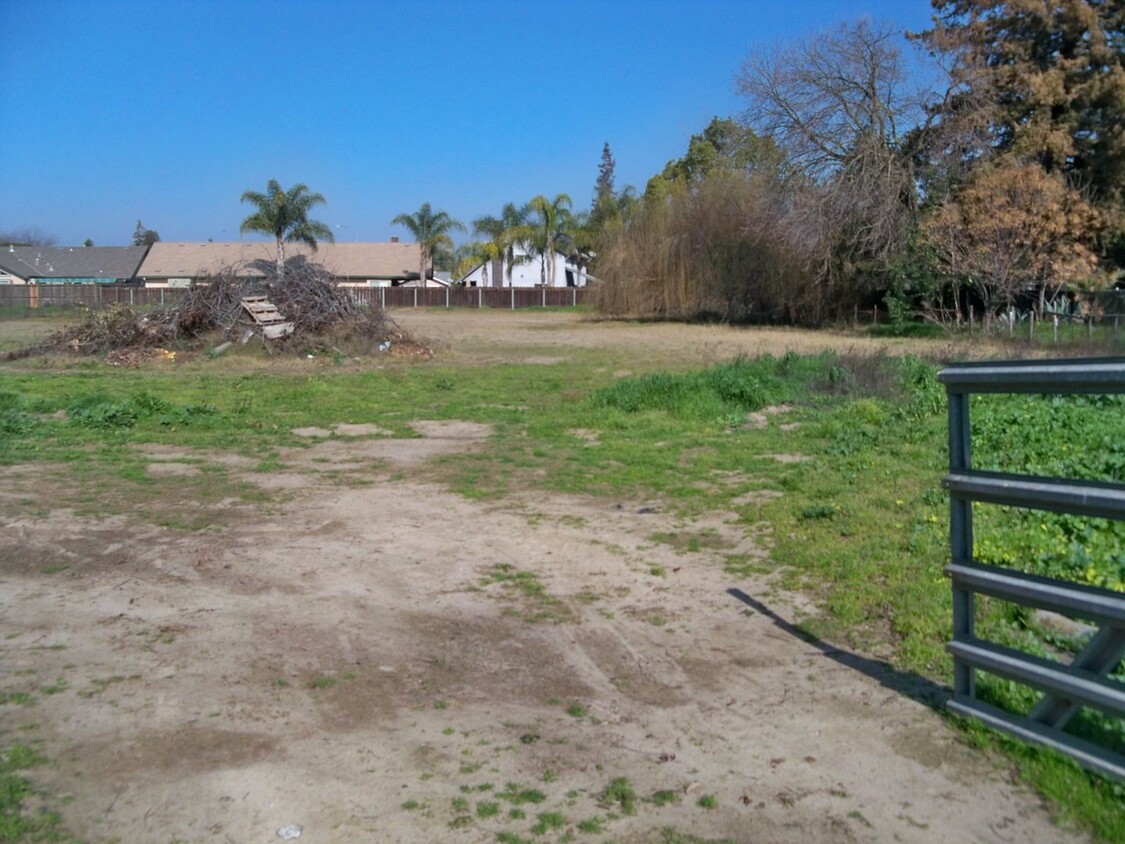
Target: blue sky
x=164, y=111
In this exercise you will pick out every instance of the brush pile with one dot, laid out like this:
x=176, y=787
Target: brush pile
x=323, y=314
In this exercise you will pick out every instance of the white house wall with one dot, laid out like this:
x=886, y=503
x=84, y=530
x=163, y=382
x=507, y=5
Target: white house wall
x=527, y=274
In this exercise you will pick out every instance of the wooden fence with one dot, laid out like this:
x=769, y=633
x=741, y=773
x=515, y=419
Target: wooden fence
x=16, y=298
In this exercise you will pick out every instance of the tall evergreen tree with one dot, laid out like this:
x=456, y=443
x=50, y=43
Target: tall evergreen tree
x=1054, y=74
x=143, y=236
x=603, y=187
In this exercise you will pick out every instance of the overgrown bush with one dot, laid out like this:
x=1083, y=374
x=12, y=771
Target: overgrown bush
x=713, y=249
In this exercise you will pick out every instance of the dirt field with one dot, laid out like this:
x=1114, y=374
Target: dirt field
x=392, y=663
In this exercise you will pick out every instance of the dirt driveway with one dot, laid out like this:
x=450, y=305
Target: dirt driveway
x=393, y=663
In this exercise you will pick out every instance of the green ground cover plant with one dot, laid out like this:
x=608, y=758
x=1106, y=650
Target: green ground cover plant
x=858, y=522
x=18, y=822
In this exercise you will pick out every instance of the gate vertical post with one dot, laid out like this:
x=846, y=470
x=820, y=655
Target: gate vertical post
x=961, y=535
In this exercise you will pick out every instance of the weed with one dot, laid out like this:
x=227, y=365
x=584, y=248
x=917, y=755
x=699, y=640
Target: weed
x=441, y=704
x=620, y=793
x=517, y=796
x=322, y=683
x=663, y=798
x=57, y=688
x=547, y=822
x=707, y=801
x=17, y=821
x=592, y=826
x=577, y=710
x=488, y=809
x=17, y=698
x=411, y=805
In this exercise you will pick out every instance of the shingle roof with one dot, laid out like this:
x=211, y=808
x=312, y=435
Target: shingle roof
x=104, y=262
x=351, y=260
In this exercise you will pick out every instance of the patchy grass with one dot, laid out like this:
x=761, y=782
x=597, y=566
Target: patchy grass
x=860, y=522
x=19, y=822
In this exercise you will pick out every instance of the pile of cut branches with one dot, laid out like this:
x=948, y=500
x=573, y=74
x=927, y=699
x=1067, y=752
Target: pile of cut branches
x=324, y=316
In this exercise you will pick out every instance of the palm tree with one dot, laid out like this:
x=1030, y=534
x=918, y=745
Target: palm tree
x=431, y=230
x=285, y=215
x=582, y=239
x=479, y=254
x=515, y=219
x=492, y=228
x=549, y=230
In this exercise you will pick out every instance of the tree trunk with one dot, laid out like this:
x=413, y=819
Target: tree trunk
x=280, y=259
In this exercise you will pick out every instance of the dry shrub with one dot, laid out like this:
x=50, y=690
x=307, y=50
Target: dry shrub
x=717, y=248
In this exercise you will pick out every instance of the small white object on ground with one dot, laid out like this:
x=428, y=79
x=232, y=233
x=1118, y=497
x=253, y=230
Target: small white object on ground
x=288, y=833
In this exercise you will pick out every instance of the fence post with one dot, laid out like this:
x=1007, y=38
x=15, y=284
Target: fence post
x=1055, y=327
x=480, y=298
x=1089, y=328
x=447, y=298
x=1031, y=327
x=970, y=321
x=513, y=292
x=574, y=299
x=544, y=297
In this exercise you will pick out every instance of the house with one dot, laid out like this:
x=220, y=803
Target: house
x=353, y=264
x=70, y=264
x=527, y=271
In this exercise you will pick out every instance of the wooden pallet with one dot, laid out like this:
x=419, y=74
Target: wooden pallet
x=266, y=315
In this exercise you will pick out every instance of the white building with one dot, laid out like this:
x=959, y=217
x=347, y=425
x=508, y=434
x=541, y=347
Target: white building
x=528, y=271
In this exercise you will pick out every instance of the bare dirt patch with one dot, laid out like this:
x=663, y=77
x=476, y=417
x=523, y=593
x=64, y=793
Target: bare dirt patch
x=480, y=336
x=362, y=657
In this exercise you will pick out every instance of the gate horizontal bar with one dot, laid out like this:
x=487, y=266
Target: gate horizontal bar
x=1091, y=757
x=1071, y=599
x=1081, y=375
x=1084, y=498
x=1065, y=682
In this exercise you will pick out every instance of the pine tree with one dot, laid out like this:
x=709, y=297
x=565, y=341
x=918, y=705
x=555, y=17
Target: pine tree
x=603, y=187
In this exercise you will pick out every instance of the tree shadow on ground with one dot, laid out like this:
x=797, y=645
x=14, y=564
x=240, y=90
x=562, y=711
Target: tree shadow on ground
x=907, y=683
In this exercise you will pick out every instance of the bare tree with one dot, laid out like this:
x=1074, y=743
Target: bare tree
x=838, y=105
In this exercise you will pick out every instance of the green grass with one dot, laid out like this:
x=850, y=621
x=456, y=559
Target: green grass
x=18, y=822
x=620, y=796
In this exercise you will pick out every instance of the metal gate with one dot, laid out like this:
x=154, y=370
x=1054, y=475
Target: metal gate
x=1085, y=681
